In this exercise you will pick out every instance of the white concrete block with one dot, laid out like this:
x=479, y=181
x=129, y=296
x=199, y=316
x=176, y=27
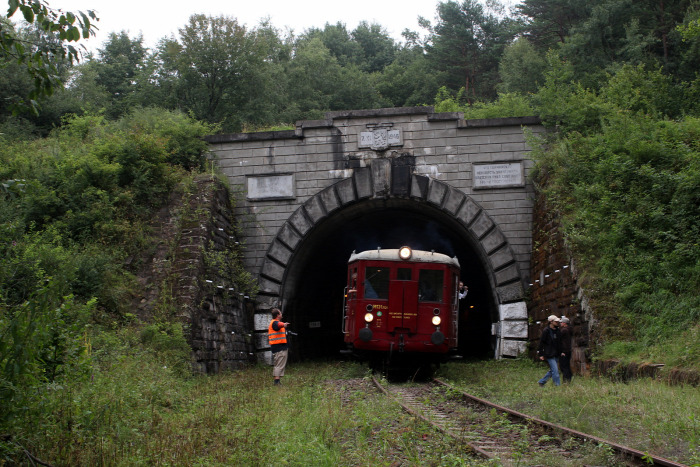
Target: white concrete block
x=510, y=348
x=262, y=321
x=514, y=329
x=513, y=311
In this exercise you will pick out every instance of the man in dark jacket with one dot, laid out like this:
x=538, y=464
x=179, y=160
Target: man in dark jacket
x=550, y=349
x=565, y=356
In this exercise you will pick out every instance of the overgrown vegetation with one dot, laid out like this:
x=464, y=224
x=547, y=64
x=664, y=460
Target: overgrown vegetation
x=74, y=206
x=623, y=171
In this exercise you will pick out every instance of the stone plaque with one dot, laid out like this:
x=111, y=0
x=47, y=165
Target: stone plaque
x=394, y=137
x=498, y=175
x=273, y=186
x=380, y=139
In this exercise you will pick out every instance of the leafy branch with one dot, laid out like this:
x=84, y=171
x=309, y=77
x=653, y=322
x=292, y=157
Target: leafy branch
x=58, y=30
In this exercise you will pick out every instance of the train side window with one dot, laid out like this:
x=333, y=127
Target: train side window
x=376, y=282
x=430, y=283
x=403, y=274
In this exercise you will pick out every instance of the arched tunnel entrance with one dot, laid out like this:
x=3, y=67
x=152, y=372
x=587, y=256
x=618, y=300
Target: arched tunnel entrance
x=312, y=293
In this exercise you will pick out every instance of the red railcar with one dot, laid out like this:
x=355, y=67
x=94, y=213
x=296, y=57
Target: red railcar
x=401, y=306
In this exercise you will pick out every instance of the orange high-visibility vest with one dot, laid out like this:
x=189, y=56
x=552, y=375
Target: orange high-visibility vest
x=277, y=337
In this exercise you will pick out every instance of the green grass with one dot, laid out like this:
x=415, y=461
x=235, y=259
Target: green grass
x=138, y=407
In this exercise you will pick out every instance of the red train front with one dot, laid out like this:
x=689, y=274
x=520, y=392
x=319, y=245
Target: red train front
x=401, y=305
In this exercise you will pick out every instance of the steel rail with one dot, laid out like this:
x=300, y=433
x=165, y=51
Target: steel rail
x=578, y=434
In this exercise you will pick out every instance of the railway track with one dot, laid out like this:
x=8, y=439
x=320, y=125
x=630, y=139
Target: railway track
x=507, y=436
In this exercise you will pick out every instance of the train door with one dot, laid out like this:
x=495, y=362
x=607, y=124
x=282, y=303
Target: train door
x=455, y=311
x=349, y=305
x=403, y=301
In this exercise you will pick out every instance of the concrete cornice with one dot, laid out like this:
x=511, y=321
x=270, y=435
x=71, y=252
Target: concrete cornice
x=328, y=122
x=387, y=112
x=508, y=121
x=259, y=136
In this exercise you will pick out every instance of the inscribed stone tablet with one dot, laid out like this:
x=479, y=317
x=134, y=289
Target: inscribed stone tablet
x=498, y=175
x=277, y=186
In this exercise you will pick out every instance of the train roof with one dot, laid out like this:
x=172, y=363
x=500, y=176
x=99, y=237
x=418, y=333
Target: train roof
x=417, y=256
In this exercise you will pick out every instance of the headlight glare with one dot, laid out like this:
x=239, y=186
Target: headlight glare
x=436, y=320
x=369, y=317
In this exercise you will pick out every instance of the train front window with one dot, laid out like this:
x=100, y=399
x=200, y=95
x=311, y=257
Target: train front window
x=430, y=285
x=403, y=274
x=376, y=282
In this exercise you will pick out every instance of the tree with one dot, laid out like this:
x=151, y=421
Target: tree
x=409, y=80
x=270, y=104
x=521, y=68
x=313, y=74
x=548, y=22
x=378, y=49
x=120, y=61
x=338, y=41
x=215, y=61
x=466, y=45
x=40, y=58
x=617, y=32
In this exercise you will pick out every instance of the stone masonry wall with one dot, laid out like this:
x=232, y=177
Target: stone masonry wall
x=217, y=312
x=554, y=289
x=321, y=152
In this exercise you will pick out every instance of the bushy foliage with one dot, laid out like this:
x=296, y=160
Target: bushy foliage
x=73, y=207
x=117, y=380
x=625, y=177
x=507, y=105
x=40, y=340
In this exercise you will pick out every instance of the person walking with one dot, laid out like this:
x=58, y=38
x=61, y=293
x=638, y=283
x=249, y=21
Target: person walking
x=550, y=349
x=277, y=335
x=565, y=356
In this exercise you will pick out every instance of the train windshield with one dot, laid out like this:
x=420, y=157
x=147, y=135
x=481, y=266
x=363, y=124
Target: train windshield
x=430, y=285
x=376, y=282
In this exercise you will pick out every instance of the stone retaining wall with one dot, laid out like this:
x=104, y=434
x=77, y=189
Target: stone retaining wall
x=554, y=289
x=218, y=314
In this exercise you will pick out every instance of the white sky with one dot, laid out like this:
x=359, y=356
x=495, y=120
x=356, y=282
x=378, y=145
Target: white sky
x=158, y=18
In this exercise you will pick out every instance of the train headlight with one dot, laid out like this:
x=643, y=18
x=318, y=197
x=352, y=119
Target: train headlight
x=405, y=253
x=369, y=317
x=436, y=320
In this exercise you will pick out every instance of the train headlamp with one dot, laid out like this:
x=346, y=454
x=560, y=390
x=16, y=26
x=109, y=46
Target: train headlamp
x=436, y=320
x=369, y=317
x=405, y=253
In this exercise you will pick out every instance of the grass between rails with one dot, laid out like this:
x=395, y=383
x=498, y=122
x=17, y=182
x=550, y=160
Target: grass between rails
x=647, y=415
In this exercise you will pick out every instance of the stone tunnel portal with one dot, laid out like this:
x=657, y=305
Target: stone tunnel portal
x=312, y=292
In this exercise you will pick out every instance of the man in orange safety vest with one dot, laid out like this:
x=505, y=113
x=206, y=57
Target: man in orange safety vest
x=277, y=334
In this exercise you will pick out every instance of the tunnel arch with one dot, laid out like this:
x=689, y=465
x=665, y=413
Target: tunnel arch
x=302, y=260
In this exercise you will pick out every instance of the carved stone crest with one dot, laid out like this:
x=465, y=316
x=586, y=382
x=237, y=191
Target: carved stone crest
x=380, y=139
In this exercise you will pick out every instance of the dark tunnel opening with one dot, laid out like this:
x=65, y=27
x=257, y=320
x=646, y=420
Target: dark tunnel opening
x=313, y=294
